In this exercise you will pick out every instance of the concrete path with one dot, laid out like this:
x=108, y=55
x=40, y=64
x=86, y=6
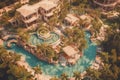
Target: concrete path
x=108, y=5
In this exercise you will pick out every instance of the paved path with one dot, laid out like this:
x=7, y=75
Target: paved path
x=108, y=5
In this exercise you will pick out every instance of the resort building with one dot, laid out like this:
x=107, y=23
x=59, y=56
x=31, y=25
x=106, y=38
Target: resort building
x=72, y=54
x=24, y=1
x=86, y=20
x=71, y=20
x=42, y=10
x=14, y=21
x=100, y=36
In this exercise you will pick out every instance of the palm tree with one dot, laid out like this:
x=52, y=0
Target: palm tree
x=24, y=35
x=105, y=57
x=77, y=75
x=4, y=20
x=79, y=38
x=37, y=70
x=116, y=71
x=87, y=78
x=53, y=20
x=112, y=38
x=64, y=76
x=41, y=49
x=64, y=10
x=50, y=53
x=15, y=56
x=38, y=50
x=94, y=74
x=81, y=9
x=68, y=32
x=96, y=25
x=9, y=68
x=46, y=51
x=106, y=72
x=54, y=78
x=113, y=57
x=18, y=72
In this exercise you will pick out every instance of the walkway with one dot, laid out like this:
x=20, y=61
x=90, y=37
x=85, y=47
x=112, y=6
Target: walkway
x=107, y=5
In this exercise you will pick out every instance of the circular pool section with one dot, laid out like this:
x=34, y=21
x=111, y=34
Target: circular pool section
x=43, y=33
x=56, y=70
x=35, y=40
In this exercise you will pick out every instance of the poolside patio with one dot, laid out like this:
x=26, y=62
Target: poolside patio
x=71, y=54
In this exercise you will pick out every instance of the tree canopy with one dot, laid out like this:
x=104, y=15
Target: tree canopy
x=9, y=70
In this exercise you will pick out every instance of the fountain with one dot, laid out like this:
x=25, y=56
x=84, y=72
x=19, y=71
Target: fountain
x=43, y=35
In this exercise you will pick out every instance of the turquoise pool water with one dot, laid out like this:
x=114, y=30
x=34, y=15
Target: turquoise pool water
x=56, y=70
x=34, y=40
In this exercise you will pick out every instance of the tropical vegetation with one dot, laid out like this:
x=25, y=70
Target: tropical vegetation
x=110, y=54
x=4, y=3
x=9, y=69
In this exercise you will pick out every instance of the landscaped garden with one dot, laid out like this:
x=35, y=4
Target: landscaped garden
x=87, y=50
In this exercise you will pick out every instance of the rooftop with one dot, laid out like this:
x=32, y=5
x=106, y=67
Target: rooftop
x=83, y=17
x=26, y=10
x=47, y=5
x=24, y=1
x=86, y=18
x=70, y=51
x=55, y=1
x=71, y=18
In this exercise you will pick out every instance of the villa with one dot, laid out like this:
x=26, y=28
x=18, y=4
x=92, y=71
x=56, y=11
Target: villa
x=43, y=10
x=71, y=20
x=72, y=54
x=86, y=20
x=102, y=35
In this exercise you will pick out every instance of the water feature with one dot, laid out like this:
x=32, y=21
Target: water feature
x=35, y=40
x=55, y=70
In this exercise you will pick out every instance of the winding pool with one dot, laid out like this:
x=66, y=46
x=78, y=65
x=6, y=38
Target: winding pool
x=56, y=70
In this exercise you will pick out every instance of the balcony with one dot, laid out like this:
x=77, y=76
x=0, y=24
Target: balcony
x=31, y=19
